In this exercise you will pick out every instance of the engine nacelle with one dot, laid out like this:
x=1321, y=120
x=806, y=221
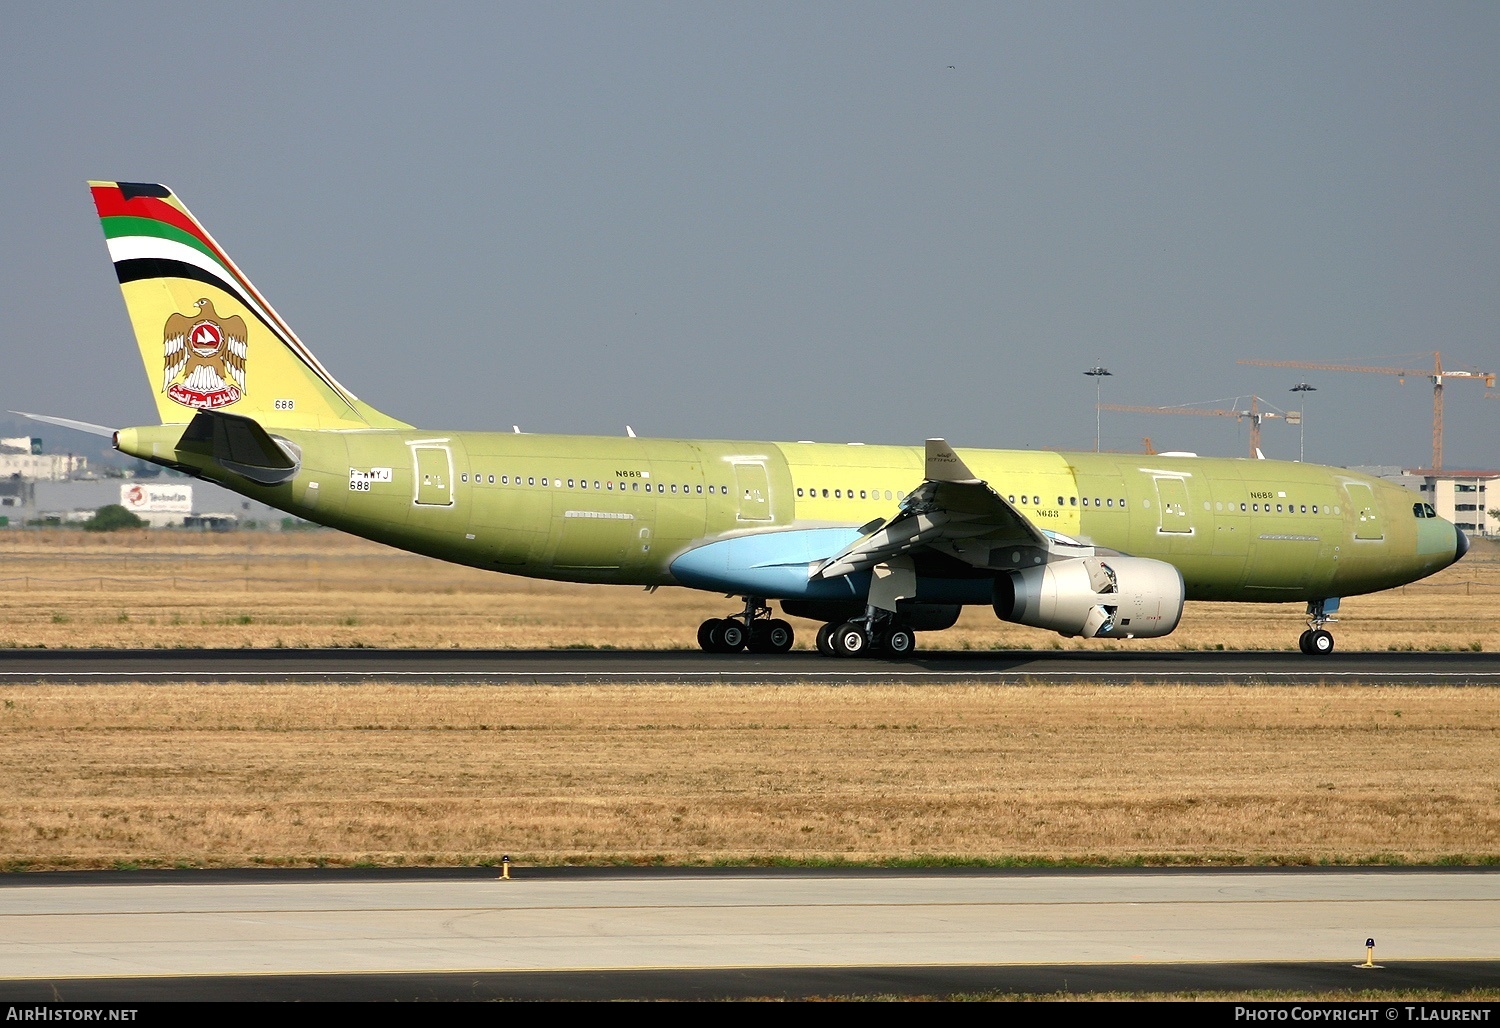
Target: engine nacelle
x=1095, y=597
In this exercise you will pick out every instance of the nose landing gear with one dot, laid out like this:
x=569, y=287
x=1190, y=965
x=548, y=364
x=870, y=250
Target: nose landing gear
x=754, y=630
x=1318, y=641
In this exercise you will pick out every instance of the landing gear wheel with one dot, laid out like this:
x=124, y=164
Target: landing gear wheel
x=774, y=636
x=899, y=642
x=825, y=641
x=706, y=641
x=849, y=640
x=1304, y=642
x=731, y=636
x=1321, y=643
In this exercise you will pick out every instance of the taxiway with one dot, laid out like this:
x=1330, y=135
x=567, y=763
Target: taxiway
x=463, y=933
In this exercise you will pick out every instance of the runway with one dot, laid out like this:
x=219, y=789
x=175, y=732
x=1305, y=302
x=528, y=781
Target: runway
x=576, y=933
x=691, y=667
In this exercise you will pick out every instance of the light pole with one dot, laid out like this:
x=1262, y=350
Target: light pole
x=1302, y=387
x=1098, y=374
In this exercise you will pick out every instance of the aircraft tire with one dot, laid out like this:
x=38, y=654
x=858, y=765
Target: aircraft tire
x=706, y=641
x=1321, y=643
x=774, y=636
x=849, y=640
x=899, y=642
x=1304, y=642
x=825, y=641
x=731, y=636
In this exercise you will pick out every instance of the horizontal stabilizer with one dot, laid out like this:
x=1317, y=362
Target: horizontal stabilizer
x=241, y=445
x=80, y=426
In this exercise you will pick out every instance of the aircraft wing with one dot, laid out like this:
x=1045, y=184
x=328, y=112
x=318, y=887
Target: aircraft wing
x=955, y=513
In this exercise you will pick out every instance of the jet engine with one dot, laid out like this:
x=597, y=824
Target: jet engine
x=1095, y=597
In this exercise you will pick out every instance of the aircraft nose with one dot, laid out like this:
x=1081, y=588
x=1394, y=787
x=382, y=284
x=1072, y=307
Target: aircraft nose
x=1463, y=544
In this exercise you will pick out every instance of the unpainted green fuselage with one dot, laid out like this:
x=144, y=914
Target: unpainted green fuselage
x=619, y=510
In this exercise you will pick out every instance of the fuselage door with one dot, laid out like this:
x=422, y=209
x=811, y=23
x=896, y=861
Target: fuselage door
x=1173, y=497
x=434, y=476
x=754, y=490
x=1366, y=515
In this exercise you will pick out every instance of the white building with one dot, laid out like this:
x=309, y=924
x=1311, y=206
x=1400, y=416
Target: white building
x=1464, y=497
x=42, y=467
x=165, y=501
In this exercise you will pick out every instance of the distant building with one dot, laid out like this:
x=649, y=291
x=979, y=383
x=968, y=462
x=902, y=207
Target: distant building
x=42, y=467
x=166, y=501
x=15, y=491
x=1464, y=497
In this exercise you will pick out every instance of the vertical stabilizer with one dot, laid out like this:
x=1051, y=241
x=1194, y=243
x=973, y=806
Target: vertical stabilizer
x=208, y=338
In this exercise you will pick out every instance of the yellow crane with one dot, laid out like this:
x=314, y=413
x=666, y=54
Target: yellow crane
x=1252, y=414
x=1436, y=376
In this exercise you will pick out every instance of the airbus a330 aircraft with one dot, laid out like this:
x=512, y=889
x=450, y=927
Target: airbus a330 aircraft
x=875, y=542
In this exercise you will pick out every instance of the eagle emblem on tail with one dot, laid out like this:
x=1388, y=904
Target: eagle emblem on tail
x=204, y=357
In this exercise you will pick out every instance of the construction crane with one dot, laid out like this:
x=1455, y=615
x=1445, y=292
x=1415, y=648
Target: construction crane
x=1252, y=414
x=1435, y=376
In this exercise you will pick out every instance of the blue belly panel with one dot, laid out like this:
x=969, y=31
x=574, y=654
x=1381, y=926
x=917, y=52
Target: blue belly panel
x=772, y=565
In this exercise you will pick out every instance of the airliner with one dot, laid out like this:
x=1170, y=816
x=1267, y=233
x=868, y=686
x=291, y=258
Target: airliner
x=873, y=543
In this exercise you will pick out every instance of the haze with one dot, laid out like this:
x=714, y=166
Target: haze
x=791, y=221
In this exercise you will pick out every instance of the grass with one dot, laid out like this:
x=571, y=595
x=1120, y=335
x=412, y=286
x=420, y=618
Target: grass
x=326, y=589
x=212, y=775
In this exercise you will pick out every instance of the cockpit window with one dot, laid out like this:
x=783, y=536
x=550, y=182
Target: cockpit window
x=1427, y=508
x=1416, y=509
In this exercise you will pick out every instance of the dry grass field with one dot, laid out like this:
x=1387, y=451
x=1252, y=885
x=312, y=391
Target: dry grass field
x=62, y=588
x=247, y=774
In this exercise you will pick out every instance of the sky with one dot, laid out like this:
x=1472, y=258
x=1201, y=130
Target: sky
x=876, y=222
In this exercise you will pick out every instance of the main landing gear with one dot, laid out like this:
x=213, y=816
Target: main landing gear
x=876, y=632
x=754, y=630
x=1318, y=641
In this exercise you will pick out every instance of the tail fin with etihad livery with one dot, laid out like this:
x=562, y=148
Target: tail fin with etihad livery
x=208, y=338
